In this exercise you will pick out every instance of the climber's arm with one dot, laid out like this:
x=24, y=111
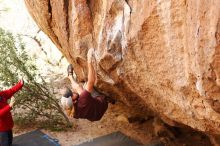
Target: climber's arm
x=91, y=78
x=91, y=72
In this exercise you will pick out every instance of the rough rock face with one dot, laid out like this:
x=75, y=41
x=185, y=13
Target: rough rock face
x=163, y=54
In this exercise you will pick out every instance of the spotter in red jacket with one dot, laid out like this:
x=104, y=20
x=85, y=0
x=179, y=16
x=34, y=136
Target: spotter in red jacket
x=6, y=121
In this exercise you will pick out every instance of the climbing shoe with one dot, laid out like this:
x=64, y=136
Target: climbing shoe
x=70, y=69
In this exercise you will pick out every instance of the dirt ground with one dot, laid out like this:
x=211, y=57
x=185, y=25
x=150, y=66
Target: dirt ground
x=118, y=118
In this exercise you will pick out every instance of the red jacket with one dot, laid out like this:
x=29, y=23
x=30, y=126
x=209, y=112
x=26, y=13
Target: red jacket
x=6, y=121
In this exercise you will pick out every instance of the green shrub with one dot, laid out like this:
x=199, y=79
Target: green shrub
x=35, y=102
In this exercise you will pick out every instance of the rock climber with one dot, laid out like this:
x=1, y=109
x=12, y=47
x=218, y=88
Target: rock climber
x=6, y=121
x=85, y=103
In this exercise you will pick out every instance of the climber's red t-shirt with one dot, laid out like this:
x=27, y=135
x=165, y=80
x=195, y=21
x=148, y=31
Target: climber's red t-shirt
x=91, y=108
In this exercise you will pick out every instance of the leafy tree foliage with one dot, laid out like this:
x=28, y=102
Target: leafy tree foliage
x=35, y=102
